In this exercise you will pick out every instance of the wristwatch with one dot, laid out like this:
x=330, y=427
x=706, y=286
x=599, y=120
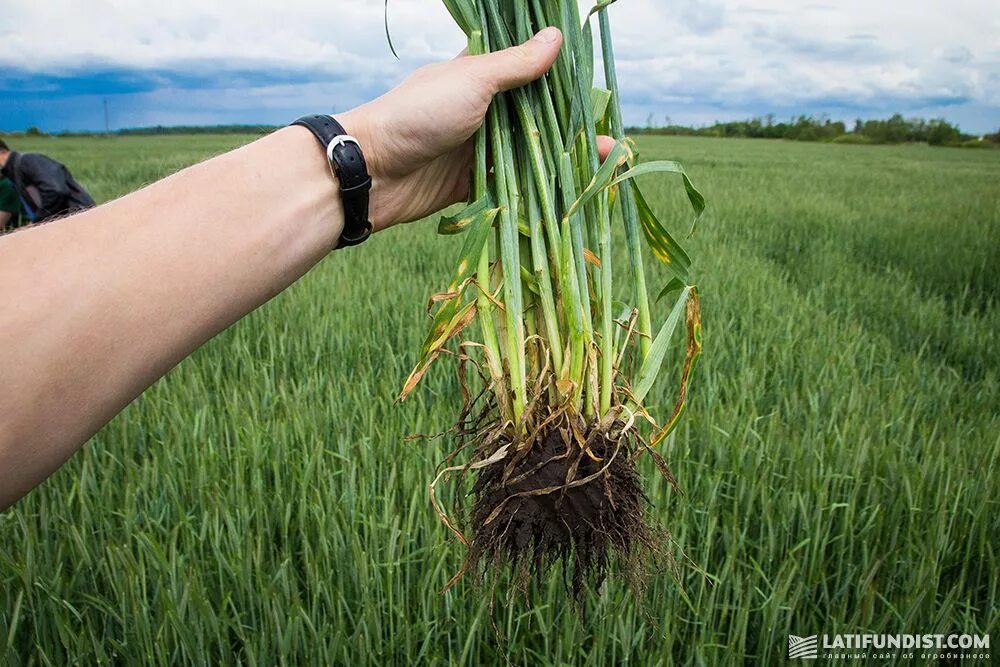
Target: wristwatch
x=347, y=163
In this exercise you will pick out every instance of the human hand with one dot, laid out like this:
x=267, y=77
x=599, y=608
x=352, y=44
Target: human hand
x=417, y=137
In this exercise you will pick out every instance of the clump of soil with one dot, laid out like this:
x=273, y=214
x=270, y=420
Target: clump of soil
x=560, y=501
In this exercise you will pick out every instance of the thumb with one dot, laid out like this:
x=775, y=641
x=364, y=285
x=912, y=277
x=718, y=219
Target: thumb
x=520, y=65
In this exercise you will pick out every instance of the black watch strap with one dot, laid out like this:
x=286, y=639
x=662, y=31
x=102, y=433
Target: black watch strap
x=347, y=163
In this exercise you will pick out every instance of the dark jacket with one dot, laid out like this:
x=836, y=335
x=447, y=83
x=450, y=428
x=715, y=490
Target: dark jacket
x=10, y=203
x=57, y=192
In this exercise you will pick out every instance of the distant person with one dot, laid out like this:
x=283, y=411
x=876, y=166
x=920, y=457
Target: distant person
x=44, y=187
x=10, y=206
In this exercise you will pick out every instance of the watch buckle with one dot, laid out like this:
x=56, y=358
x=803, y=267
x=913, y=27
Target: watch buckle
x=340, y=140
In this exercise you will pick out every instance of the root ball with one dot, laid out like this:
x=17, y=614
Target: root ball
x=559, y=502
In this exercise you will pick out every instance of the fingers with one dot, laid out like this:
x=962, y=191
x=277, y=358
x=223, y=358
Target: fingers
x=520, y=65
x=604, y=146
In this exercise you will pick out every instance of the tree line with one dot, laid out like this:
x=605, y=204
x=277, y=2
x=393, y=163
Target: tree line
x=893, y=130
x=153, y=130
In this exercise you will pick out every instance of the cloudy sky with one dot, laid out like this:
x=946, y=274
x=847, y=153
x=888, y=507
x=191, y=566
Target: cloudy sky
x=243, y=61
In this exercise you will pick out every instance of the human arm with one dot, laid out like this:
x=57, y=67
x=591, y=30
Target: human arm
x=105, y=302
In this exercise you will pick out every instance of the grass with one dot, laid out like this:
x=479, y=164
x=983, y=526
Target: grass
x=839, y=456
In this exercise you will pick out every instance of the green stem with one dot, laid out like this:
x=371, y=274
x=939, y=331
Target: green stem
x=510, y=257
x=531, y=134
x=540, y=262
x=575, y=317
x=484, y=305
x=578, y=267
x=630, y=210
x=584, y=70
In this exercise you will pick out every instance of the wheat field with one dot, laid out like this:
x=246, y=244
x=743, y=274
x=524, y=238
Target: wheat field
x=839, y=458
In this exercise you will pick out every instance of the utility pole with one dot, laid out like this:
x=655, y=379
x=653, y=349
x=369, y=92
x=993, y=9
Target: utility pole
x=107, y=123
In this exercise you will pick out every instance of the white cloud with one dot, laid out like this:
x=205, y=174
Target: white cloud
x=855, y=50
x=134, y=33
x=697, y=57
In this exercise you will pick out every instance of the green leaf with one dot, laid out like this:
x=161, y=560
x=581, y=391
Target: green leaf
x=623, y=308
x=523, y=229
x=479, y=231
x=440, y=325
x=451, y=317
x=672, y=286
x=599, y=99
x=458, y=223
x=649, y=168
x=388, y=36
x=585, y=56
x=694, y=347
x=575, y=126
x=663, y=245
x=658, y=350
x=465, y=15
x=449, y=321
x=530, y=281
x=696, y=198
x=618, y=156
x=601, y=4
x=626, y=313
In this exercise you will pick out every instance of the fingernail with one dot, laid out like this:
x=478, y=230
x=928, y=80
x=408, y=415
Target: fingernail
x=548, y=35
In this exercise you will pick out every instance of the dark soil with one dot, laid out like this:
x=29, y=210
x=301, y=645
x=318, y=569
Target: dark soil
x=533, y=511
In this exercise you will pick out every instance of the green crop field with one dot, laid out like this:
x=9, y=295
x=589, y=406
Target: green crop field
x=840, y=459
